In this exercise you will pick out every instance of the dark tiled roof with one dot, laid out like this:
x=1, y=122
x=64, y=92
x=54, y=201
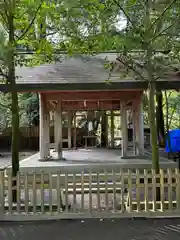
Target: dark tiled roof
x=80, y=73
x=69, y=70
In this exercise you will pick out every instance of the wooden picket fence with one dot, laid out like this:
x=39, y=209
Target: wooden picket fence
x=104, y=192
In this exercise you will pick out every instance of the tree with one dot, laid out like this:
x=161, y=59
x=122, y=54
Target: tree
x=14, y=15
x=144, y=47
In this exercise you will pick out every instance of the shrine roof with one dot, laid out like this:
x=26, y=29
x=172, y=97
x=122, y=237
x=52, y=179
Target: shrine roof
x=79, y=73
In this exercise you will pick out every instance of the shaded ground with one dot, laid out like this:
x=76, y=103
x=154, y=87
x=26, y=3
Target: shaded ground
x=82, y=157
x=162, y=229
x=5, y=157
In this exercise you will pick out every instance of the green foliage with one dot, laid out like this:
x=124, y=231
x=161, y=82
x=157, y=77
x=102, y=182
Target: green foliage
x=147, y=46
x=30, y=103
x=28, y=110
x=172, y=109
x=90, y=27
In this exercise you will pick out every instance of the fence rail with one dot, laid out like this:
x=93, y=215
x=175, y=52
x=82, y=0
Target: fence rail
x=102, y=193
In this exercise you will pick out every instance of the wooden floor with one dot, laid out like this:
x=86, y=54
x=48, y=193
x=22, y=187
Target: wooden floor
x=97, y=156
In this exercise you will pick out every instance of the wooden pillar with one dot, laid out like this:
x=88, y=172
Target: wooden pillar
x=41, y=127
x=55, y=128
x=141, y=130
x=59, y=143
x=69, y=130
x=134, y=133
x=44, y=120
x=47, y=131
x=139, y=124
x=112, y=129
x=124, y=132
x=75, y=133
x=107, y=130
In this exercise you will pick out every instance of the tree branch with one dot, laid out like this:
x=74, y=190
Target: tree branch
x=128, y=18
x=49, y=34
x=59, y=51
x=172, y=113
x=164, y=30
x=3, y=74
x=169, y=94
x=162, y=15
x=5, y=106
x=31, y=23
x=130, y=67
x=6, y=13
x=122, y=9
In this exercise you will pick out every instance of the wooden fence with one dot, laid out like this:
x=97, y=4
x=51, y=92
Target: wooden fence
x=29, y=137
x=111, y=192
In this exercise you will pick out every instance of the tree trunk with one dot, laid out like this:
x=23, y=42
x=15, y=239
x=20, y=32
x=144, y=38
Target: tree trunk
x=167, y=124
x=14, y=106
x=160, y=119
x=152, y=86
x=153, y=131
x=153, y=128
x=15, y=140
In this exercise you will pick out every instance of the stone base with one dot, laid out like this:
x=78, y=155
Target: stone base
x=134, y=157
x=45, y=159
x=59, y=159
x=50, y=159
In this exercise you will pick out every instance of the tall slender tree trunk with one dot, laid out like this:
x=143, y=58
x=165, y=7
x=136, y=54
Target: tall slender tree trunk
x=15, y=139
x=152, y=94
x=160, y=119
x=153, y=128
x=153, y=131
x=152, y=87
x=14, y=97
x=167, y=123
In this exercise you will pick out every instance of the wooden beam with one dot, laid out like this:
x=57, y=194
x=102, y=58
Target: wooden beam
x=91, y=105
x=94, y=95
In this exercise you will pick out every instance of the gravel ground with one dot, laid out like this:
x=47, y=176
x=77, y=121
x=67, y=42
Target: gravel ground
x=139, y=229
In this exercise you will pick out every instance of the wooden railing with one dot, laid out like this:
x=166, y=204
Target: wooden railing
x=93, y=192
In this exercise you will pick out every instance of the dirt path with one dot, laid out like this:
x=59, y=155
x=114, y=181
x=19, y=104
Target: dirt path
x=164, y=229
x=5, y=158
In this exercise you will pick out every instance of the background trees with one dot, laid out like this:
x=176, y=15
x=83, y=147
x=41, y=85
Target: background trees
x=146, y=46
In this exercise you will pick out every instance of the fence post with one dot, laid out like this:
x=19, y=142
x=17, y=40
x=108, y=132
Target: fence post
x=177, y=189
x=154, y=188
x=170, y=205
x=162, y=188
x=146, y=206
